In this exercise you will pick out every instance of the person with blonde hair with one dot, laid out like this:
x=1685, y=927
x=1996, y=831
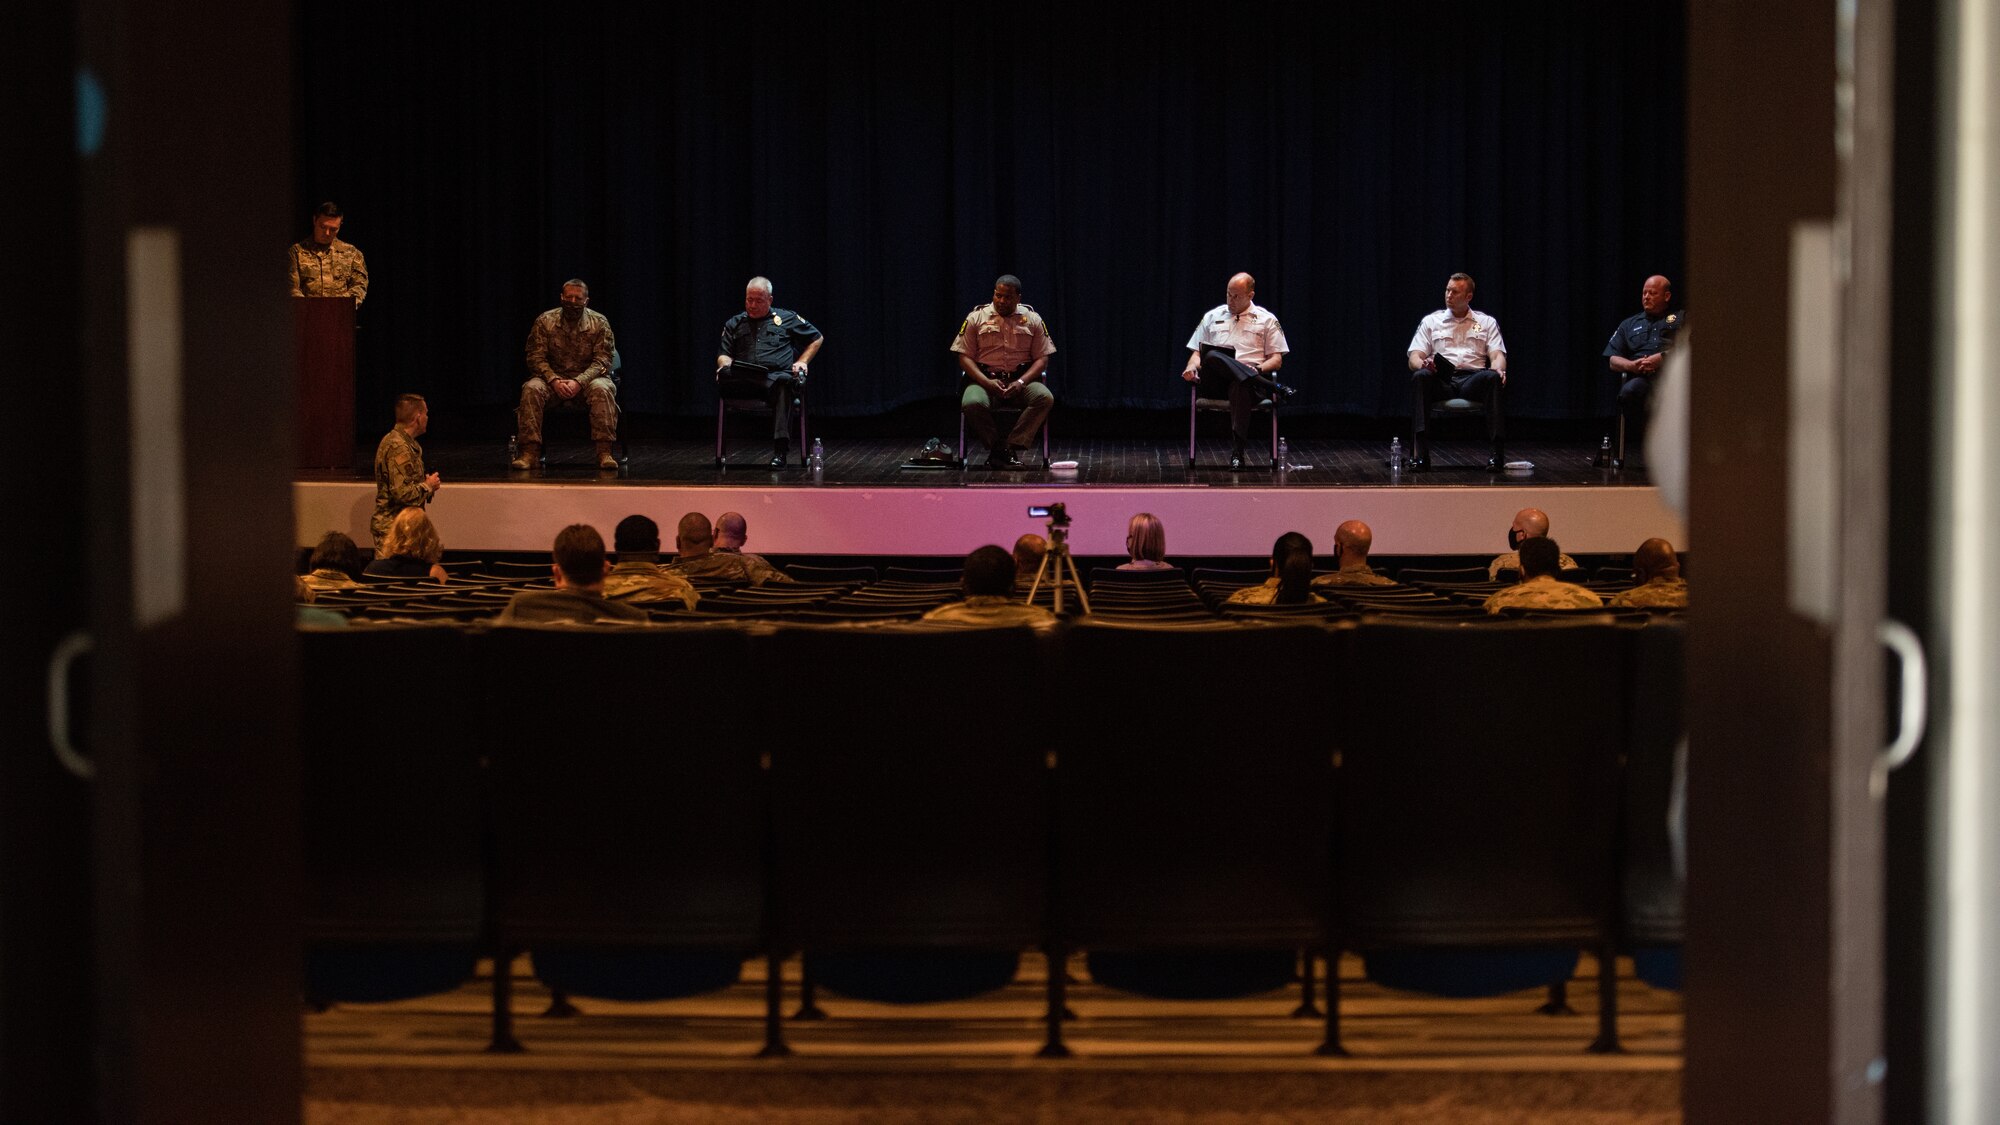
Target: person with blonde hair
x=1146, y=543
x=411, y=549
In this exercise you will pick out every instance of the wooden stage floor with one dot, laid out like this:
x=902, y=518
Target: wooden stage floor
x=1413, y=1058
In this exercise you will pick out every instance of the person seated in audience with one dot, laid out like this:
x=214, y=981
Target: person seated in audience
x=1351, y=541
x=988, y=585
x=1291, y=575
x=336, y=564
x=1145, y=543
x=695, y=556
x=410, y=550
x=1529, y=523
x=1029, y=551
x=580, y=569
x=1658, y=571
x=638, y=577
x=731, y=532
x=1540, y=588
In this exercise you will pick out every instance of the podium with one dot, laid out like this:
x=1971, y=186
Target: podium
x=324, y=331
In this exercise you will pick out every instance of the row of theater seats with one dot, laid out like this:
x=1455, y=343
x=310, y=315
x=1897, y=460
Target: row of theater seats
x=855, y=594
x=641, y=810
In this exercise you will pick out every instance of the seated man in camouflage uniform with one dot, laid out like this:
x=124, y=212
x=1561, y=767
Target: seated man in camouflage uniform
x=580, y=568
x=1539, y=587
x=731, y=532
x=1658, y=570
x=1351, y=542
x=400, y=480
x=570, y=352
x=335, y=565
x=638, y=577
x=988, y=585
x=1291, y=575
x=1528, y=524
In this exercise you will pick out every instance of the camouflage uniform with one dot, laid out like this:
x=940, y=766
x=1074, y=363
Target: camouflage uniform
x=714, y=564
x=1267, y=594
x=645, y=583
x=1667, y=593
x=1356, y=576
x=1001, y=345
x=559, y=348
x=1544, y=591
x=570, y=605
x=991, y=610
x=1512, y=561
x=760, y=571
x=399, y=480
x=329, y=271
x=327, y=578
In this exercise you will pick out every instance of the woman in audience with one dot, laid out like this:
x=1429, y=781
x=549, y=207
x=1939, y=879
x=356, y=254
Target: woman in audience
x=410, y=550
x=336, y=564
x=1291, y=575
x=1146, y=542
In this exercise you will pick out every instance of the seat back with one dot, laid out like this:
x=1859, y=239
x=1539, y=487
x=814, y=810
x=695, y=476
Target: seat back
x=1201, y=826
x=1653, y=892
x=909, y=798
x=625, y=815
x=1467, y=815
x=394, y=895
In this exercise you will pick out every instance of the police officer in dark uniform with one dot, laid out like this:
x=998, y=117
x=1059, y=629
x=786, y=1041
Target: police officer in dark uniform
x=778, y=340
x=1638, y=348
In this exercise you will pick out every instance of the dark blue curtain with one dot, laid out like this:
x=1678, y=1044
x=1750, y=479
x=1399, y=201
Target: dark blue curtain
x=883, y=165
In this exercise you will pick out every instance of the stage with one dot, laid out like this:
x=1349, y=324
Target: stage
x=866, y=503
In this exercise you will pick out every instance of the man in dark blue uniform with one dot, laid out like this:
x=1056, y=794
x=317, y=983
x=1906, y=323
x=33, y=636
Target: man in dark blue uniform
x=1638, y=348
x=782, y=343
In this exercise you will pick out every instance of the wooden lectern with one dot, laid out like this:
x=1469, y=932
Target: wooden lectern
x=325, y=334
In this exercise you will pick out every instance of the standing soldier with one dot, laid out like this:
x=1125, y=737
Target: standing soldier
x=324, y=266
x=571, y=354
x=400, y=481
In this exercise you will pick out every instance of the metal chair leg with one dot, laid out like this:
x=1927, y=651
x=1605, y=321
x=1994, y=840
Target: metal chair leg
x=1606, y=1042
x=1308, y=968
x=809, y=1008
x=774, y=1002
x=559, y=1006
x=1052, y=1017
x=1331, y=1047
x=502, y=1041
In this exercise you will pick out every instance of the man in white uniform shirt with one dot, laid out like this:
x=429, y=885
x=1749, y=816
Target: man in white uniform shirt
x=1474, y=367
x=1247, y=348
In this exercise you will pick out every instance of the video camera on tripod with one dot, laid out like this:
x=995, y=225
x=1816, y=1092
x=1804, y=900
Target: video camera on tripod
x=1058, y=554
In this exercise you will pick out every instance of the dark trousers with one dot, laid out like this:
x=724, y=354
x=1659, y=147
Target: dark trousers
x=1635, y=404
x=1427, y=387
x=781, y=391
x=1247, y=386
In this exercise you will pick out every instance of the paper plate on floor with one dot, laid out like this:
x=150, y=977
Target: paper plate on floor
x=1062, y=467
x=1520, y=466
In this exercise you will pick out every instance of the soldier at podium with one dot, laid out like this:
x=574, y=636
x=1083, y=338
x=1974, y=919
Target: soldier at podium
x=324, y=266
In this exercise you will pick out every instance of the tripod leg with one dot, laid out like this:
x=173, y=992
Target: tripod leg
x=1037, y=583
x=1076, y=580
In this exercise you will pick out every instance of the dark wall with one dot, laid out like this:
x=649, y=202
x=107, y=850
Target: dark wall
x=883, y=168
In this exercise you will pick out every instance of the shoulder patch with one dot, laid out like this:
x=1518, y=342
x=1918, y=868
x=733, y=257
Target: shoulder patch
x=962, y=324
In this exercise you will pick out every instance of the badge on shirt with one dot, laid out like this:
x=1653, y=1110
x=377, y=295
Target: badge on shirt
x=776, y=319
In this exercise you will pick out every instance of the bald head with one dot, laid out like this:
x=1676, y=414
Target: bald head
x=1029, y=550
x=731, y=530
x=694, y=536
x=1352, y=541
x=1655, y=561
x=1656, y=295
x=1530, y=523
x=1242, y=289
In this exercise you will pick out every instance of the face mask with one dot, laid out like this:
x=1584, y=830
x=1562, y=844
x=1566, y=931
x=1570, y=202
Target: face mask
x=1513, y=540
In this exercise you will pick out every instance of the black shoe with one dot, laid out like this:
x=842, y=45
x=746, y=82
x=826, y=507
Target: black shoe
x=1418, y=463
x=1003, y=459
x=1497, y=462
x=1235, y=462
x=1281, y=392
x=780, y=453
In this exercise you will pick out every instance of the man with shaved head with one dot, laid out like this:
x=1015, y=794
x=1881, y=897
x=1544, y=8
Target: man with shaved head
x=1236, y=349
x=1636, y=353
x=1658, y=571
x=1351, y=541
x=1529, y=523
x=1540, y=586
x=775, y=346
x=731, y=532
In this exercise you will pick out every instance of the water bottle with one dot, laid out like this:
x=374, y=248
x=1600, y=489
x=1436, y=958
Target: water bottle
x=1284, y=455
x=1396, y=454
x=1604, y=453
x=513, y=448
x=818, y=457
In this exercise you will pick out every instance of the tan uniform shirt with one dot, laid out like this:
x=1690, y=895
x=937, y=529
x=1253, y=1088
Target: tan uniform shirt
x=1512, y=561
x=1267, y=594
x=559, y=348
x=1357, y=576
x=1003, y=343
x=760, y=570
x=990, y=609
x=1544, y=591
x=337, y=270
x=645, y=583
x=1668, y=593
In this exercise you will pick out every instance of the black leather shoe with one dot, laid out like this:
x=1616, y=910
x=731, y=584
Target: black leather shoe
x=1496, y=463
x=1281, y=392
x=779, y=460
x=1003, y=459
x=1235, y=462
x=1419, y=463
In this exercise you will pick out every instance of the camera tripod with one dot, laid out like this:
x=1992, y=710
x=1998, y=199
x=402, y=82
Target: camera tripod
x=1064, y=567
